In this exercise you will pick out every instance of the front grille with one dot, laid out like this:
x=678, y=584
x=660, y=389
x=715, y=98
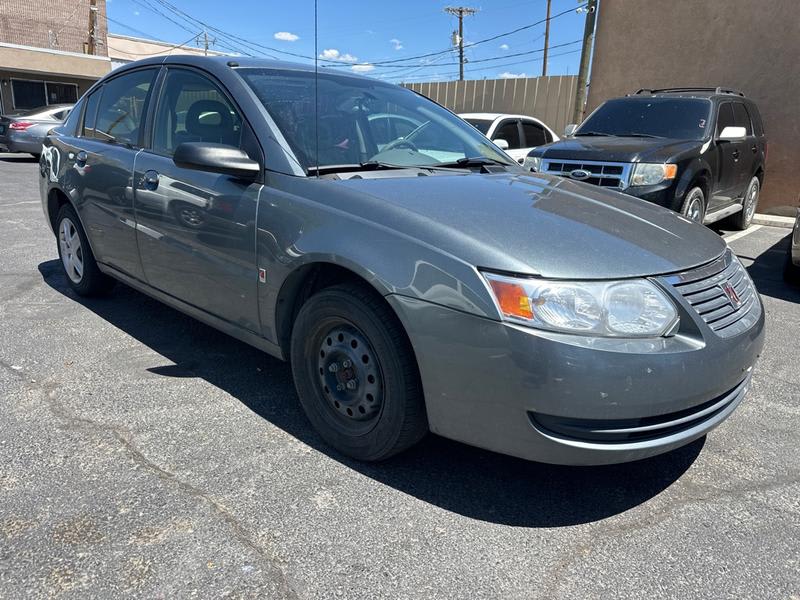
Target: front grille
x=603, y=174
x=616, y=431
x=722, y=293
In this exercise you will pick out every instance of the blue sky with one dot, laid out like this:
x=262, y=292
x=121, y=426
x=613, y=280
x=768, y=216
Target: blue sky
x=359, y=35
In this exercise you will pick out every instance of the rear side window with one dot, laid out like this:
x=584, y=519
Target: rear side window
x=73, y=119
x=725, y=117
x=535, y=134
x=741, y=118
x=509, y=132
x=90, y=114
x=122, y=106
x=755, y=117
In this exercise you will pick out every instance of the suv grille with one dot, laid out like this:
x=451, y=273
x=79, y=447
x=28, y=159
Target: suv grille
x=604, y=174
x=722, y=293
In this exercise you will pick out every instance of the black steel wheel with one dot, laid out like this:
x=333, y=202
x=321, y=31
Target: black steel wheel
x=356, y=375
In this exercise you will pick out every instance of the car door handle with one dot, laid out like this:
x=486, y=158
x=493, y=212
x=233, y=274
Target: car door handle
x=735, y=155
x=150, y=180
x=754, y=149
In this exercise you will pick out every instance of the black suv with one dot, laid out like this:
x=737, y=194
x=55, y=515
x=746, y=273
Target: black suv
x=698, y=151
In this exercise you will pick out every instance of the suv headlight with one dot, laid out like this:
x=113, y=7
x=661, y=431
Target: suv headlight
x=532, y=163
x=652, y=173
x=627, y=308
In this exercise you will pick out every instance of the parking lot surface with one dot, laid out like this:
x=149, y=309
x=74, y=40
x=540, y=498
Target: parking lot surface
x=145, y=454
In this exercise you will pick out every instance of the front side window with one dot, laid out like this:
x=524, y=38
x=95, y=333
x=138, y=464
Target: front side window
x=193, y=109
x=725, y=117
x=675, y=118
x=122, y=106
x=509, y=132
x=362, y=120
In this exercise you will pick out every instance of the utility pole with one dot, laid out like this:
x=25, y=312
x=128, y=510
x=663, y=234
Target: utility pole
x=546, y=40
x=92, y=45
x=206, y=42
x=586, y=55
x=460, y=11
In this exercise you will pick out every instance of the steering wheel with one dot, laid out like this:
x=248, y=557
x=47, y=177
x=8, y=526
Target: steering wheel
x=400, y=143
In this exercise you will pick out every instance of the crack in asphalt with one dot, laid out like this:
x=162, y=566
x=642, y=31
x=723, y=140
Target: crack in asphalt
x=78, y=423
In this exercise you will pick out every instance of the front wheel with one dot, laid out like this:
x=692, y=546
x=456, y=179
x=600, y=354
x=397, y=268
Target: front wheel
x=744, y=217
x=694, y=205
x=356, y=375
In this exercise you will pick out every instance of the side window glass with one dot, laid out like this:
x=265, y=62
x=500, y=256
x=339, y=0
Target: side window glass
x=741, y=118
x=122, y=106
x=72, y=119
x=509, y=132
x=725, y=117
x=535, y=134
x=90, y=114
x=193, y=109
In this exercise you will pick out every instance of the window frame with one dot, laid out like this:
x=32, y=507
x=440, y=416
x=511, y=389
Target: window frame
x=520, y=136
x=44, y=83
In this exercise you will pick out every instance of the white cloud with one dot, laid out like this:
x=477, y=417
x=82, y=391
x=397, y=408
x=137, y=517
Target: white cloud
x=334, y=54
x=503, y=46
x=363, y=68
x=136, y=12
x=398, y=45
x=285, y=36
x=507, y=75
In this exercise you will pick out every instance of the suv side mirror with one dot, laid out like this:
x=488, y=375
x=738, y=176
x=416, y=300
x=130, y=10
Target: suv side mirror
x=732, y=134
x=216, y=158
x=501, y=143
x=570, y=129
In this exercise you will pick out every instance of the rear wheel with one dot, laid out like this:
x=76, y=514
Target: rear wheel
x=744, y=217
x=791, y=272
x=356, y=375
x=694, y=205
x=76, y=256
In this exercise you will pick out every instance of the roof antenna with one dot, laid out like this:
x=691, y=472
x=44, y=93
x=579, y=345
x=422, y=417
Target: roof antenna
x=316, y=91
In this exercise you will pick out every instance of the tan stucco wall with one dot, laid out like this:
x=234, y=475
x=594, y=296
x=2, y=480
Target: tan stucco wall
x=753, y=46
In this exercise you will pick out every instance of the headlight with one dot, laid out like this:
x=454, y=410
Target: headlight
x=630, y=308
x=652, y=173
x=532, y=163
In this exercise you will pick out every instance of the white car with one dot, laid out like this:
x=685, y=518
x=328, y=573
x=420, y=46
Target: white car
x=516, y=134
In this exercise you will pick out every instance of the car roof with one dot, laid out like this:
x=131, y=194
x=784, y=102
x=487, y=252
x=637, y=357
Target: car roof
x=707, y=93
x=494, y=116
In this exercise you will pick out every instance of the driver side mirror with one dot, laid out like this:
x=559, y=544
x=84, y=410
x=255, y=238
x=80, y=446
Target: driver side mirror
x=501, y=143
x=732, y=134
x=569, y=130
x=216, y=158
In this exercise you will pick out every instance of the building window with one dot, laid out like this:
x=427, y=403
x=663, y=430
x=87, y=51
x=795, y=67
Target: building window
x=33, y=94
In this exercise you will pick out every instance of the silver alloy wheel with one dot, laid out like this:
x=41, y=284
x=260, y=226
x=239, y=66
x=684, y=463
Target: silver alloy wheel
x=751, y=200
x=694, y=206
x=71, y=251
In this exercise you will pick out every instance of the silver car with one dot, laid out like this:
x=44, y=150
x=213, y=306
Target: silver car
x=421, y=283
x=24, y=131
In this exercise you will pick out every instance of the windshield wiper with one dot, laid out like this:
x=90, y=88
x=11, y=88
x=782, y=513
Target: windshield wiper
x=474, y=161
x=581, y=133
x=639, y=135
x=370, y=165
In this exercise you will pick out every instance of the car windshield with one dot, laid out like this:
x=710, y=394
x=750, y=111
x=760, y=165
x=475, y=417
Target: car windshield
x=364, y=121
x=481, y=125
x=677, y=118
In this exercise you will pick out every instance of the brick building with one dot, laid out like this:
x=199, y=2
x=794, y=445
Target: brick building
x=51, y=51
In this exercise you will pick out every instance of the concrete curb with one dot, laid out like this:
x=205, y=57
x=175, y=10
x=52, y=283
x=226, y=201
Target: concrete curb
x=773, y=221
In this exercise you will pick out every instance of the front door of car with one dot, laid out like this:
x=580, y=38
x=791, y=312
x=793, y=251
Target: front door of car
x=102, y=166
x=508, y=130
x=729, y=153
x=196, y=229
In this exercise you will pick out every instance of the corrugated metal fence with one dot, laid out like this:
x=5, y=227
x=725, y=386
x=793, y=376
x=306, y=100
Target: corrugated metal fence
x=550, y=99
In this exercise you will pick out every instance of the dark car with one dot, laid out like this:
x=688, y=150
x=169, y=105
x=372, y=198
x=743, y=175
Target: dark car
x=701, y=152
x=24, y=131
x=791, y=271
x=425, y=282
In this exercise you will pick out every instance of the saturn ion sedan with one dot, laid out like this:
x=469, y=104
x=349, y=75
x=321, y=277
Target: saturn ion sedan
x=423, y=283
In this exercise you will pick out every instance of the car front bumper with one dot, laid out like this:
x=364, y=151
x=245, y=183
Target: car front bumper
x=566, y=399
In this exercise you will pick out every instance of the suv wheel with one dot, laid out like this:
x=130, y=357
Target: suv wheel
x=356, y=375
x=694, y=205
x=744, y=217
x=76, y=256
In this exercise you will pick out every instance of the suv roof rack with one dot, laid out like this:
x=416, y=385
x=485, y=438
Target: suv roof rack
x=716, y=90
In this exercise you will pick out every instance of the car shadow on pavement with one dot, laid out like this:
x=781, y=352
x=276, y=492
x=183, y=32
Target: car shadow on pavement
x=766, y=271
x=468, y=481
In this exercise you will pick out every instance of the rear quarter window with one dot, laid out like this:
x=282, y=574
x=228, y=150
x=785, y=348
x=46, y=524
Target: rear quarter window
x=70, y=126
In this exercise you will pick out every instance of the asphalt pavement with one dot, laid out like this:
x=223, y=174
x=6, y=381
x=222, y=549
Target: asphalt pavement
x=143, y=454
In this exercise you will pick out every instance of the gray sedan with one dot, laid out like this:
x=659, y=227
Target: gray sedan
x=421, y=283
x=24, y=131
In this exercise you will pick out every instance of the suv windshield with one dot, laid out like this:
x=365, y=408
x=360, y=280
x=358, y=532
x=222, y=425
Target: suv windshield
x=364, y=121
x=677, y=118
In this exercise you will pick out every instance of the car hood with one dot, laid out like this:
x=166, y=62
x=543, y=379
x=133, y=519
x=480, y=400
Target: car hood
x=535, y=224
x=615, y=149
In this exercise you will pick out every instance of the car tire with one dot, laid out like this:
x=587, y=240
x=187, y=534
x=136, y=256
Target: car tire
x=77, y=260
x=791, y=271
x=694, y=205
x=742, y=219
x=347, y=333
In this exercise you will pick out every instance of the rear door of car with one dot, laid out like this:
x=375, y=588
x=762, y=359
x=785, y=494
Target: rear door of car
x=748, y=150
x=100, y=173
x=196, y=229
x=534, y=134
x=726, y=180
